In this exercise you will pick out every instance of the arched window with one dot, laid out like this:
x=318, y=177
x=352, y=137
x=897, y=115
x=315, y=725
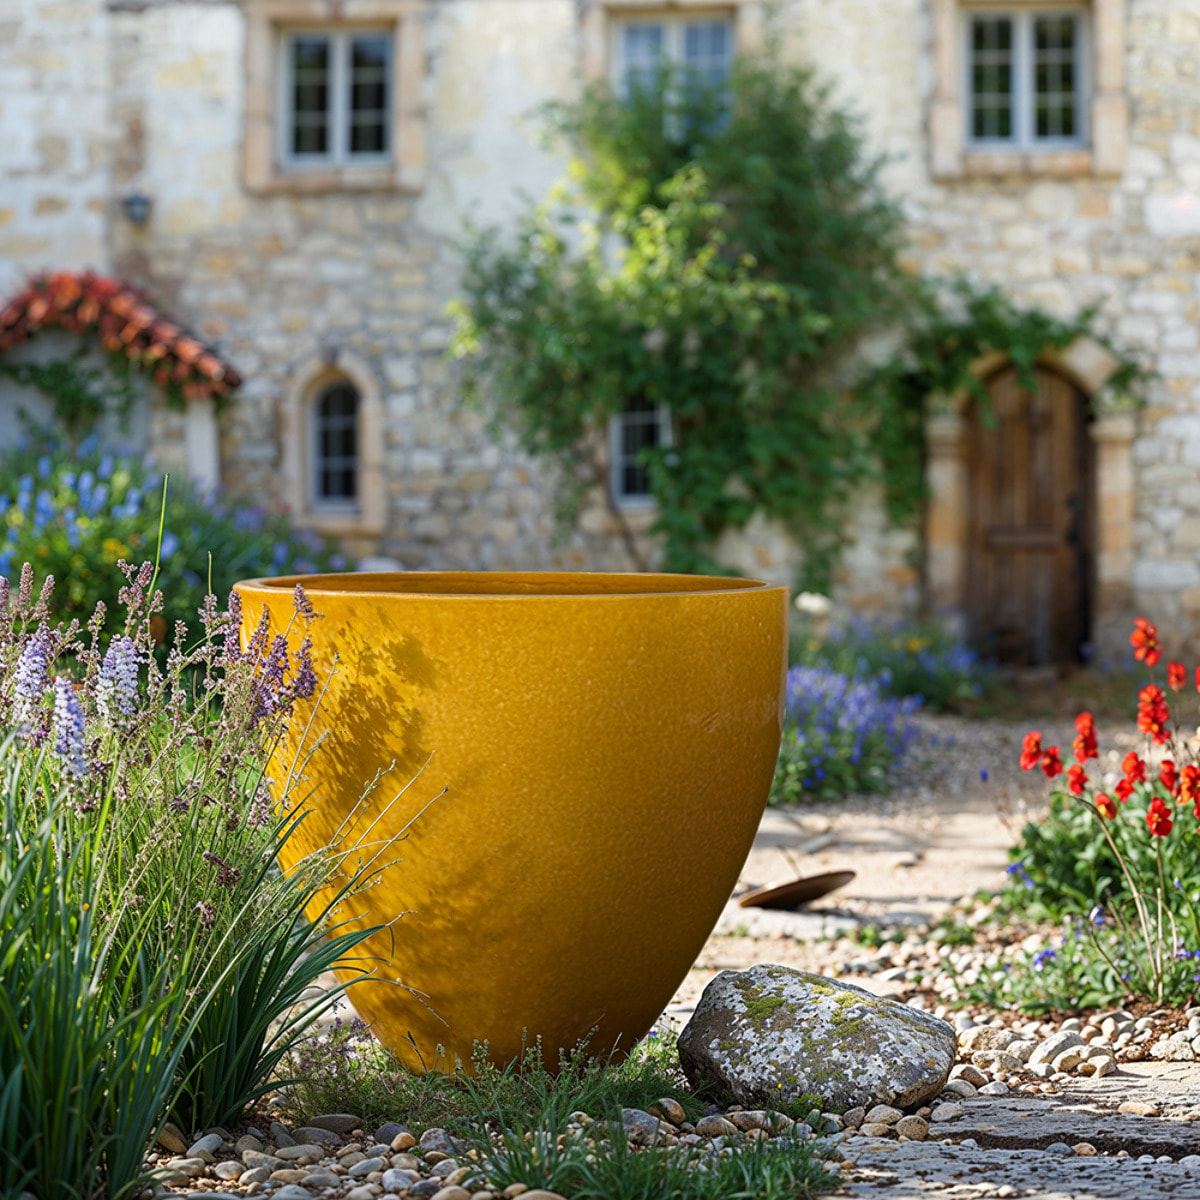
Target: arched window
x=335, y=447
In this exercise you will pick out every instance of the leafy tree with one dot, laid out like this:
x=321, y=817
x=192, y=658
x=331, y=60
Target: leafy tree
x=738, y=245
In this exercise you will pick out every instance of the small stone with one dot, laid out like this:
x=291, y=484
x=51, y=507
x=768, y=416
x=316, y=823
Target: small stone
x=190, y=1167
x=672, y=1110
x=366, y=1192
x=1068, y=1060
x=971, y=1074
x=256, y=1158
x=986, y=1037
x=170, y=1137
x=882, y=1114
x=247, y=1142
x=339, y=1123
x=749, y=1119
x=1191, y=1161
x=640, y=1127
x=228, y=1170
x=433, y=1157
x=280, y=1135
x=361, y=1169
x=436, y=1139
x=960, y=1087
x=206, y=1147
x=996, y=1088
x=1059, y=1148
x=945, y=1112
x=1139, y=1108
x=292, y=1191
x=289, y=1174
x=352, y=1159
x=396, y=1180
x=255, y=1175
x=389, y=1131
x=425, y=1188
x=403, y=1141
x=453, y=1192
x=445, y=1169
x=1048, y=1050
x=542, y=1194
x=916, y=1129
x=1084, y=1149
x=516, y=1189
x=852, y=1118
x=875, y=1129
x=297, y=1153
x=407, y=1162
x=715, y=1126
x=322, y=1178
x=312, y=1134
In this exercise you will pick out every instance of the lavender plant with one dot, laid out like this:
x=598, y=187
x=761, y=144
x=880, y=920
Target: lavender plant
x=154, y=774
x=841, y=735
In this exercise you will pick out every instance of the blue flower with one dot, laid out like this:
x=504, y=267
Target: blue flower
x=170, y=543
x=983, y=774
x=116, y=689
x=68, y=728
x=1097, y=916
x=29, y=682
x=1041, y=958
x=43, y=467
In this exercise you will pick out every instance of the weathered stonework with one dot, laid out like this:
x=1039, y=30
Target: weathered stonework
x=165, y=96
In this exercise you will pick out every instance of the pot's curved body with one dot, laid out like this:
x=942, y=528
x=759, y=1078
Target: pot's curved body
x=607, y=742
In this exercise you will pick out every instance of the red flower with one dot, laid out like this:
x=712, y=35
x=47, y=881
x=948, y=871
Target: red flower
x=1051, y=763
x=1189, y=788
x=1168, y=776
x=1031, y=750
x=1153, y=714
x=1085, y=743
x=1076, y=779
x=1176, y=676
x=1124, y=790
x=1159, y=819
x=1105, y=805
x=1144, y=640
x=1134, y=767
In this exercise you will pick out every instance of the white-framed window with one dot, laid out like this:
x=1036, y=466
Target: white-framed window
x=701, y=46
x=642, y=426
x=1026, y=78
x=335, y=97
x=335, y=448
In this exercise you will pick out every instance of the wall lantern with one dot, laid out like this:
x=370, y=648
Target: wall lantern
x=136, y=206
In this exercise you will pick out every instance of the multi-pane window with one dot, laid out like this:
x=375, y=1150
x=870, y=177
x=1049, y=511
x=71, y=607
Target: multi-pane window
x=702, y=49
x=336, y=99
x=641, y=427
x=1025, y=78
x=335, y=455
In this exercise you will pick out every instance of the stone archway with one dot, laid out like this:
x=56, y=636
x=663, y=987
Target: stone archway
x=1087, y=366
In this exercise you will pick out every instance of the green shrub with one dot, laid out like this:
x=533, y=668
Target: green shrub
x=75, y=514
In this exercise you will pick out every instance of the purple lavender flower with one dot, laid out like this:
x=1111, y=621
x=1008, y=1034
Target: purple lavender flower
x=68, y=728
x=301, y=603
x=270, y=684
x=117, y=687
x=227, y=876
x=305, y=681
x=30, y=680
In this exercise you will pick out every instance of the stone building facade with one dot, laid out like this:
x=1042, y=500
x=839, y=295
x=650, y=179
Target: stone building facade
x=313, y=267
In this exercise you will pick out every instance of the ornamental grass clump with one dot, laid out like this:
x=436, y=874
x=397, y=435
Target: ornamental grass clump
x=152, y=957
x=1128, y=868
x=840, y=735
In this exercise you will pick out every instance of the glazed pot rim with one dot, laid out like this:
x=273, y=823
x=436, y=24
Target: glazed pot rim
x=510, y=585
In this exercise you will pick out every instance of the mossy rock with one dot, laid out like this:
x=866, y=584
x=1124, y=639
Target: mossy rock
x=765, y=1036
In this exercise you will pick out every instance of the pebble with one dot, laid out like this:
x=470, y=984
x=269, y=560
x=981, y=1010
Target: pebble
x=715, y=1126
x=945, y=1112
x=340, y=1123
x=883, y=1114
x=321, y=1178
x=1059, y=1148
x=366, y=1166
x=396, y=1180
x=280, y=1135
x=292, y=1191
x=170, y=1137
x=313, y=1133
x=916, y=1129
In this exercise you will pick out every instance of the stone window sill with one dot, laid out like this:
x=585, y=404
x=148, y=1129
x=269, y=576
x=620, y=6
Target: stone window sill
x=316, y=181
x=1061, y=164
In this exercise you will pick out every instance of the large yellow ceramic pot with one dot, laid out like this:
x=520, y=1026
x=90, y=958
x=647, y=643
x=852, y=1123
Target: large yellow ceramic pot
x=606, y=743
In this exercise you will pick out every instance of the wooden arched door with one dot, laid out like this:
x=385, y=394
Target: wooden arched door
x=1031, y=520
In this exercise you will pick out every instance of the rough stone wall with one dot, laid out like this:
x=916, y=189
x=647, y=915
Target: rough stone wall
x=55, y=194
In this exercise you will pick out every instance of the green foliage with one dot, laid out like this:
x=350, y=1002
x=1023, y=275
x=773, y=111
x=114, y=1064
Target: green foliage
x=345, y=1068
x=730, y=265
x=76, y=512
x=905, y=658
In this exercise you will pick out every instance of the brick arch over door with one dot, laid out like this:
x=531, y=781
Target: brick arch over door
x=959, y=575
x=1030, y=519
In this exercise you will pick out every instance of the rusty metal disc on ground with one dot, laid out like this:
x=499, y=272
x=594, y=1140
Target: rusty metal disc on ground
x=795, y=892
